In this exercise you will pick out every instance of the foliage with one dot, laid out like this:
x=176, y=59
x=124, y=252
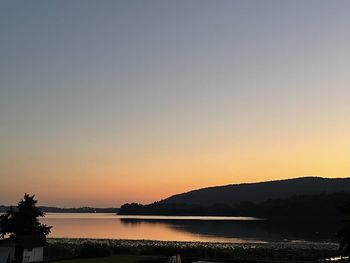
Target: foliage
x=119, y=259
x=295, y=206
x=94, y=250
x=158, y=251
x=259, y=192
x=23, y=220
x=59, y=251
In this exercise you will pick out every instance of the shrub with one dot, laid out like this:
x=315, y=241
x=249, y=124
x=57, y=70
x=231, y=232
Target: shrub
x=93, y=250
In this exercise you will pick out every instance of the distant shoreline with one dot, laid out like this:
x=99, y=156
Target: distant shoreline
x=52, y=209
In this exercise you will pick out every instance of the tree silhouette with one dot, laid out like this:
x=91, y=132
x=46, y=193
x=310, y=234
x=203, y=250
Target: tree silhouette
x=23, y=220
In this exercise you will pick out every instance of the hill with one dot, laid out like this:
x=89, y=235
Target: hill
x=306, y=196
x=260, y=192
x=320, y=205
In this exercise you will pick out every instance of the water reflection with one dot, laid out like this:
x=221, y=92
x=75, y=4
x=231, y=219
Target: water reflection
x=260, y=230
x=237, y=230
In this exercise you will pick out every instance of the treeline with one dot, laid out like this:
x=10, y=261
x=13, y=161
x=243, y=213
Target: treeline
x=49, y=209
x=303, y=205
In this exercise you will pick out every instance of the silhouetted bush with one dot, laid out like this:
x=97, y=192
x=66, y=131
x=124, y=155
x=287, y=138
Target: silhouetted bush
x=152, y=260
x=59, y=251
x=93, y=250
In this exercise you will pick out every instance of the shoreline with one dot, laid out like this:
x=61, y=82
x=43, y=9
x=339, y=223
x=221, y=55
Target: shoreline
x=139, y=243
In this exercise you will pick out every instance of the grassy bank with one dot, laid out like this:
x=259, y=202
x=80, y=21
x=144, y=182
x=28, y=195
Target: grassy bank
x=144, y=251
x=118, y=259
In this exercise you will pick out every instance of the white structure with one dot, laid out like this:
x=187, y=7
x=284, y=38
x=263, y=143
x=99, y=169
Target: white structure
x=175, y=259
x=28, y=248
x=35, y=254
x=7, y=251
x=31, y=247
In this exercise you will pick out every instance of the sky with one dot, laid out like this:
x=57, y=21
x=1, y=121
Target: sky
x=107, y=102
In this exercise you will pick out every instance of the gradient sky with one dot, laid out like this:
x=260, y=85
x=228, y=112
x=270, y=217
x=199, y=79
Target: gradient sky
x=106, y=102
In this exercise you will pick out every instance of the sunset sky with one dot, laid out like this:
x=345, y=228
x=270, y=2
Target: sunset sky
x=107, y=102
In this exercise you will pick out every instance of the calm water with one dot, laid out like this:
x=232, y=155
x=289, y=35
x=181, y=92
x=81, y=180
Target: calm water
x=209, y=229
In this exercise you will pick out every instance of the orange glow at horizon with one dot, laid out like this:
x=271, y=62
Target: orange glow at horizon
x=110, y=181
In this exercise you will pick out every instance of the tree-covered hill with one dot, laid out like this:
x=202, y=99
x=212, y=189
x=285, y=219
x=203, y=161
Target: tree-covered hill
x=325, y=205
x=307, y=196
x=259, y=192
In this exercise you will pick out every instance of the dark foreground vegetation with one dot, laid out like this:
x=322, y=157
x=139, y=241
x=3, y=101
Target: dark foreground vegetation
x=303, y=205
x=153, y=251
x=120, y=259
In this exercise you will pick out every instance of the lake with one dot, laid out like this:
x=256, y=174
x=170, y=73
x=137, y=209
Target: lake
x=194, y=228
